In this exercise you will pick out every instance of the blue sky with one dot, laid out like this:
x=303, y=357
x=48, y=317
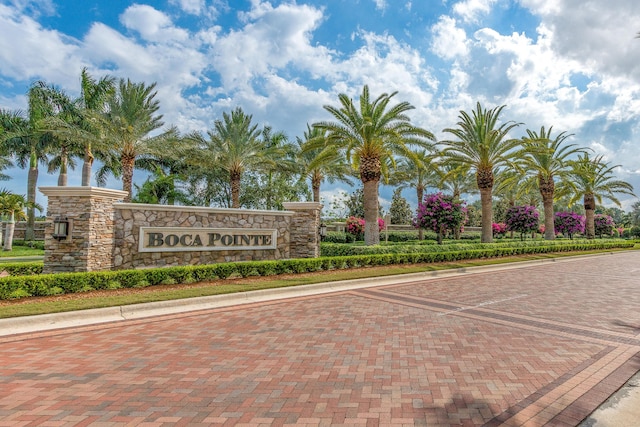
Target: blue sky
x=570, y=64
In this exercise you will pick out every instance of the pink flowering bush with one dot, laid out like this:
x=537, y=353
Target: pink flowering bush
x=569, y=223
x=499, y=229
x=355, y=226
x=522, y=219
x=440, y=213
x=603, y=224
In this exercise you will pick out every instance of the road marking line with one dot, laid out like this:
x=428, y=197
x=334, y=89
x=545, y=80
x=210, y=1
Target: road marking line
x=482, y=304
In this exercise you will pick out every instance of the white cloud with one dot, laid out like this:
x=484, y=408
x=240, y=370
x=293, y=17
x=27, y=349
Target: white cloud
x=51, y=55
x=470, y=10
x=151, y=24
x=381, y=4
x=449, y=41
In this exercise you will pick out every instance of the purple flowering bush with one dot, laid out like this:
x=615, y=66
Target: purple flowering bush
x=440, y=213
x=522, y=219
x=569, y=223
x=604, y=225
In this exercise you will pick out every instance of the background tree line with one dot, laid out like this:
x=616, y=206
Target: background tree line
x=236, y=163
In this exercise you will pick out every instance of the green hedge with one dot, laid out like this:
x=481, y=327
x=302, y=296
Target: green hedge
x=52, y=284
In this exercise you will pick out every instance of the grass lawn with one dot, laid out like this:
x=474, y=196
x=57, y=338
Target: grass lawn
x=110, y=298
x=20, y=252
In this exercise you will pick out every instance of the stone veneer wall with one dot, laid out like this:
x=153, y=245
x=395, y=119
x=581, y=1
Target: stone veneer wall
x=104, y=232
x=131, y=216
x=90, y=244
x=305, y=239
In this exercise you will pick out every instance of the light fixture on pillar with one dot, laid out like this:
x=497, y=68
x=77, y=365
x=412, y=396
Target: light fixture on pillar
x=322, y=230
x=60, y=228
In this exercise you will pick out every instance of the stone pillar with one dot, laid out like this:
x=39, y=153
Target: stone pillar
x=305, y=240
x=90, y=243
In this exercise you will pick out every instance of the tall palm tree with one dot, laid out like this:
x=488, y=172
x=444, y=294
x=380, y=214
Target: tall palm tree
x=546, y=158
x=92, y=102
x=484, y=145
x=235, y=145
x=370, y=137
x=62, y=115
x=12, y=206
x=324, y=162
x=29, y=142
x=592, y=179
x=130, y=117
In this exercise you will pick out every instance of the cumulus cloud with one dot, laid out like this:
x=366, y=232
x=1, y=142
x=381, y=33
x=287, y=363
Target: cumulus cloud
x=151, y=24
x=449, y=41
x=471, y=10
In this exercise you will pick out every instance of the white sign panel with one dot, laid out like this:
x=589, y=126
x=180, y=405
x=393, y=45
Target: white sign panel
x=174, y=239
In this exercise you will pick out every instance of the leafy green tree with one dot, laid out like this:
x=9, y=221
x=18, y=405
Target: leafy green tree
x=546, y=158
x=593, y=180
x=400, y=210
x=484, y=145
x=370, y=136
x=355, y=203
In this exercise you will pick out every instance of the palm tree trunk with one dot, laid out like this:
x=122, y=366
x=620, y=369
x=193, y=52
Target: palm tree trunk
x=127, y=176
x=371, y=232
x=235, y=189
x=63, y=177
x=316, y=179
x=487, y=215
x=86, y=166
x=589, y=210
x=549, y=223
x=420, y=194
x=8, y=239
x=32, y=181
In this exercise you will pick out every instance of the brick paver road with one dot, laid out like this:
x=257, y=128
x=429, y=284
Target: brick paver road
x=539, y=345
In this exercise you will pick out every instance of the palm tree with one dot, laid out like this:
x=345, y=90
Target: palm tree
x=484, y=146
x=125, y=126
x=455, y=179
x=92, y=101
x=370, y=137
x=324, y=162
x=28, y=142
x=62, y=115
x=235, y=145
x=593, y=180
x=7, y=121
x=417, y=170
x=546, y=158
x=12, y=206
